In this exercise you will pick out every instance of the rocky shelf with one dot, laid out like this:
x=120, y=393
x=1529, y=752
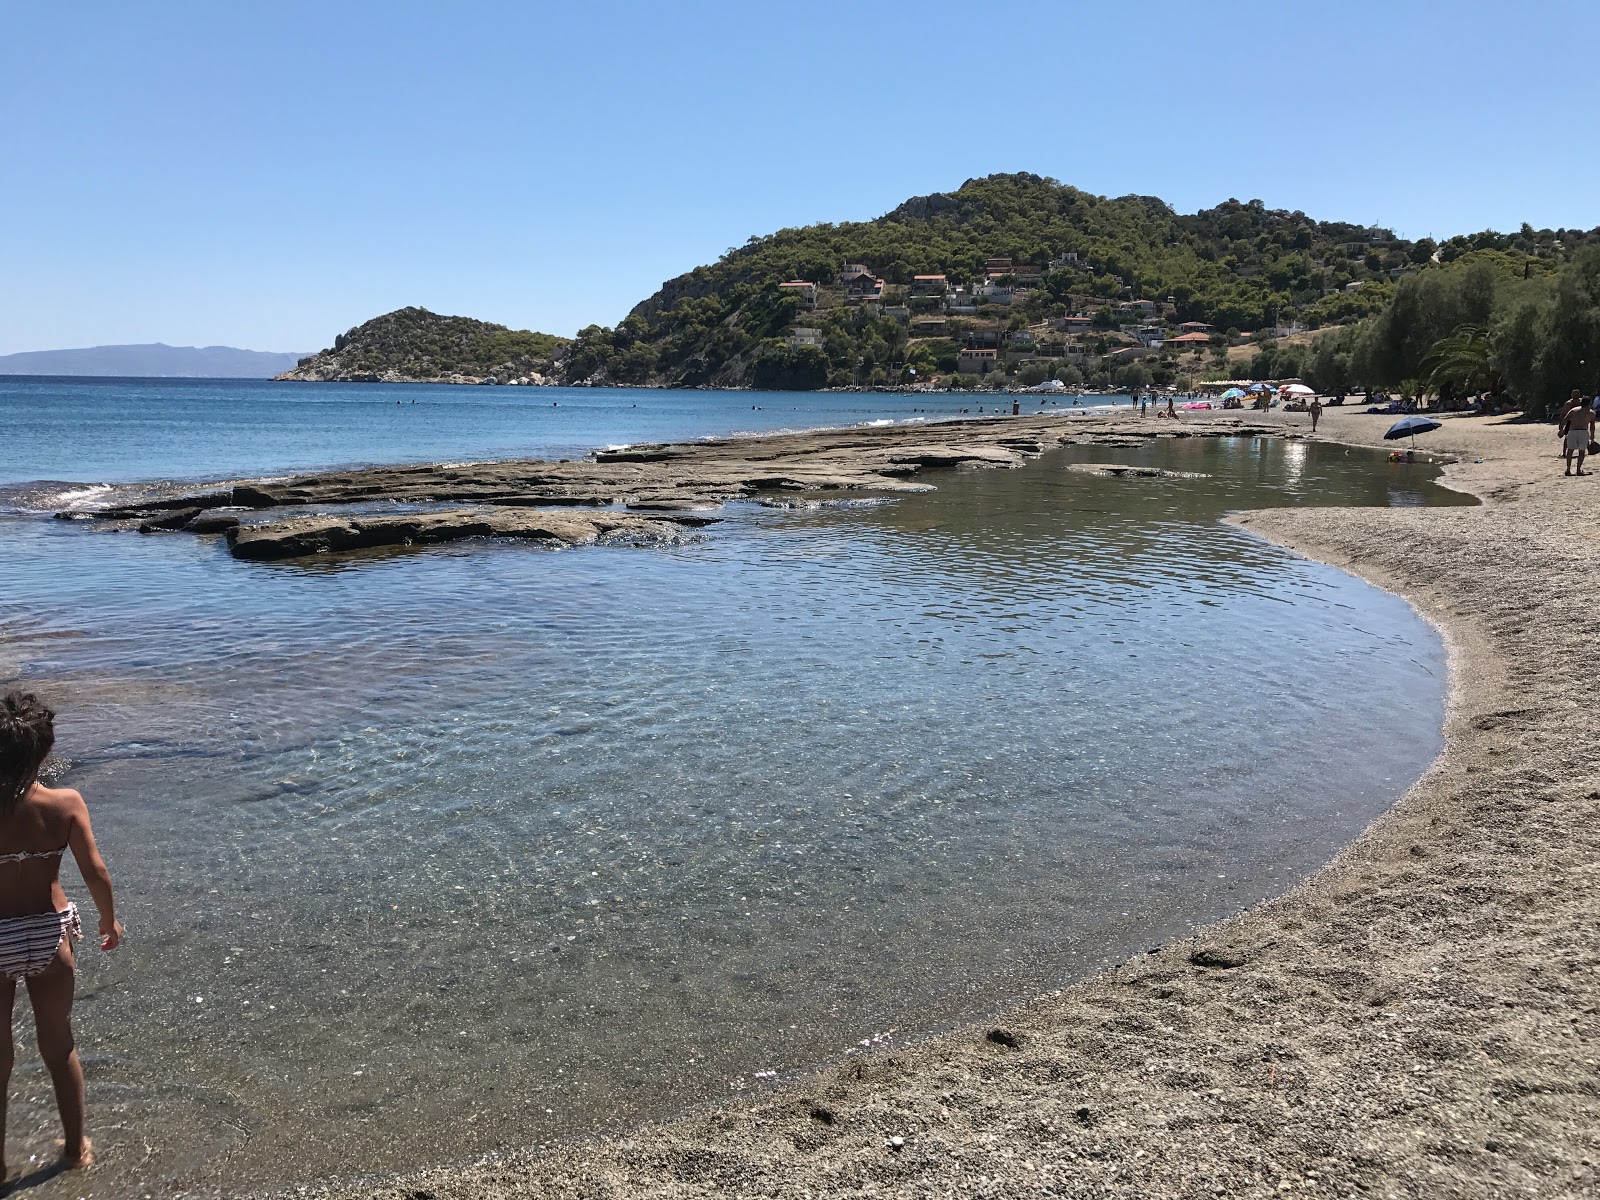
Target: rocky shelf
x=644, y=492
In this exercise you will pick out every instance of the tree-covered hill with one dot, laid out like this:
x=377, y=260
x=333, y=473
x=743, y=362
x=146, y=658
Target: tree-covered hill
x=414, y=345
x=1053, y=281
x=1240, y=266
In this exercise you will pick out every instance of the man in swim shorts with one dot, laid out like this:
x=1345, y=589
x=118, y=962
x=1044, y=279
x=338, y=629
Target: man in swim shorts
x=1577, y=431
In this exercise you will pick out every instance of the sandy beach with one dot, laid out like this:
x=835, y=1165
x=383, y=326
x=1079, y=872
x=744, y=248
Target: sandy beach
x=1417, y=1019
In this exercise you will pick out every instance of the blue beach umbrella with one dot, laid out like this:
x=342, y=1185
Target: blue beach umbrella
x=1409, y=427
x=1232, y=394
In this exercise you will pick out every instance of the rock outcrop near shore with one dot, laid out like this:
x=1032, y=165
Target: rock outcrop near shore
x=669, y=481
x=300, y=536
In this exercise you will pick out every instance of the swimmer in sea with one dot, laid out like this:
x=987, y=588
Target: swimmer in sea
x=38, y=925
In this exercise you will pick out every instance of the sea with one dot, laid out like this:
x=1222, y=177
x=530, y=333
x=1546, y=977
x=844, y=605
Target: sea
x=428, y=853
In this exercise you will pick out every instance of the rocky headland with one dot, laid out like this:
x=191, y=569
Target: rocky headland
x=413, y=345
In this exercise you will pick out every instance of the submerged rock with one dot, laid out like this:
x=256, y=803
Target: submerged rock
x=673, y=504
x=1117, y=471
x=301, y=536
x=212, y=523
x=176, y=518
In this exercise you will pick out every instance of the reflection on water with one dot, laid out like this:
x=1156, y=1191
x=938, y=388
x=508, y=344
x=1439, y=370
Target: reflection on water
x=482, y=845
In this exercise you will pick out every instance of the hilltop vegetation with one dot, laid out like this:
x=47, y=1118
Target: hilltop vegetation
x=415, y=345
x=1240, y=266
x=1051, y=281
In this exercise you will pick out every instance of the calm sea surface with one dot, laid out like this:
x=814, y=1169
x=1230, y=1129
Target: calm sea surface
x=426, y=853
x=116, y=431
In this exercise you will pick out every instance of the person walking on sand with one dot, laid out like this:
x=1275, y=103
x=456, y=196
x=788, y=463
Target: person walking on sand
x=1577, y=431
x=1315, y=409
x=38, y=925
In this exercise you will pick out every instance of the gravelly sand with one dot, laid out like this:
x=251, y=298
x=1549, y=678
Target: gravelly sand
x=1419, y=1019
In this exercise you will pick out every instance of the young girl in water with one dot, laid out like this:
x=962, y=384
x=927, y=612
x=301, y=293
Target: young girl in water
x=37, y=923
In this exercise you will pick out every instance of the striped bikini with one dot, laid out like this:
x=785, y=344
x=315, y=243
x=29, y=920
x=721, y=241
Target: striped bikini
x=28, y=943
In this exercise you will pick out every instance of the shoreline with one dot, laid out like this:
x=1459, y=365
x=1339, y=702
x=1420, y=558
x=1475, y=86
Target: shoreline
x=1412, y=1019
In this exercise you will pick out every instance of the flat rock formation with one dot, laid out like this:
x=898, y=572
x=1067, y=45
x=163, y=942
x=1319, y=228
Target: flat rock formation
x=680, y=478
x=1118, y=471
x=300, y=536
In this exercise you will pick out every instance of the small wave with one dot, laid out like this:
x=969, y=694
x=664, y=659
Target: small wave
x=83, y=497
x=47, y=495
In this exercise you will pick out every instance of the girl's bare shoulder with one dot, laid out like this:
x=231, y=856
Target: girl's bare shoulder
x=62, y=800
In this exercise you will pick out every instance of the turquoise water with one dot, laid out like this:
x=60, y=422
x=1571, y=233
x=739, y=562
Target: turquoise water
x=425, y=853
x=115, y=431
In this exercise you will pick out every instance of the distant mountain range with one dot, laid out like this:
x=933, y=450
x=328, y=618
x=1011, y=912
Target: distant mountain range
x=153, y=360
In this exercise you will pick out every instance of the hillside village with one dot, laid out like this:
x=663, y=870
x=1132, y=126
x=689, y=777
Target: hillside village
x=1016, y=279
x=983, y=333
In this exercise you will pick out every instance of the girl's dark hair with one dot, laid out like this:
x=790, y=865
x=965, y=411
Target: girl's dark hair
x=27, y=732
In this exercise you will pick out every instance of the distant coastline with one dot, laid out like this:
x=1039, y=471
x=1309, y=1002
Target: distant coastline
x=152, y=360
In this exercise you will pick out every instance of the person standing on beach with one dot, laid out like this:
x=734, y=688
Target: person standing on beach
x=38, y=925
x=1577, y=431
x=1315, y=409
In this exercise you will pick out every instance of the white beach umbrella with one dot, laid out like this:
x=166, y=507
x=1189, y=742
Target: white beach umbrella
x=1298, y=389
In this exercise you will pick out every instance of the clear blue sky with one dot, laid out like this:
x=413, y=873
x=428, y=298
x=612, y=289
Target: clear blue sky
x=268, y=174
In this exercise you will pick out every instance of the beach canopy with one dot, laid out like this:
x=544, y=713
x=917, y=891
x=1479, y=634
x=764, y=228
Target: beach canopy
x=1258, y=387
x=1232, y=394
x=1409, y=427
x=1297, y=389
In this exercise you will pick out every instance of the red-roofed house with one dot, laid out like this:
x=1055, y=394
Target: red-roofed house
x=1189, y=339
x=799, y=287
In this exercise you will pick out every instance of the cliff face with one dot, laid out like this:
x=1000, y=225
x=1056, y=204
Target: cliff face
x=413, y=345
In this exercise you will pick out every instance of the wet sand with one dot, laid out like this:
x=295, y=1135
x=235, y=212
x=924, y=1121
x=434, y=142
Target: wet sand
x=1417, y=1019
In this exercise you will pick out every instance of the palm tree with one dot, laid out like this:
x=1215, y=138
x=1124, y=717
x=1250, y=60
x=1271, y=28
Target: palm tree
x=1463, y=363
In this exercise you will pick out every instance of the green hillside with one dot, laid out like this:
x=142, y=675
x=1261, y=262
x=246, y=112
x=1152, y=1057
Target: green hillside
x=1049, y=281
x=415, y=345
x=1239, y=266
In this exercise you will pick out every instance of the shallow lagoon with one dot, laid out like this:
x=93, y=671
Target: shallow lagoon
x=431, y=852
